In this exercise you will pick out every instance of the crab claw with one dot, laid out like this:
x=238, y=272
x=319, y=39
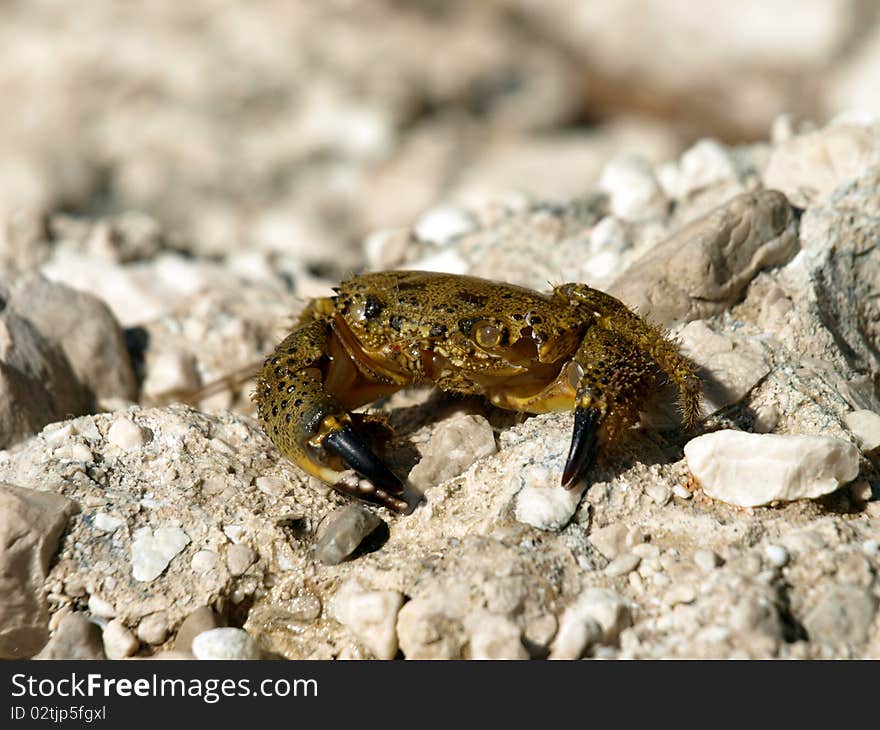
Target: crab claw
x=379, y=484
x=584, y=446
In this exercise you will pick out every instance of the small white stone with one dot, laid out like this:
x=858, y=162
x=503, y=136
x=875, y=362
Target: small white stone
x=705, y=164
x=659, y=493
x=622, y=564
x=204, y=561
x=126, y=434
x=576, y=634
x=239, y=558
x=99, y=607
x=272, y=486
x=225, y=643
x=865, y=426
x=542, y=503
x=680, y=593
x=776, y=555
x=646, y=551
x=370, y=615
x=153, y=629
x=107, y=523
x=385, y=248
x=748, y=469
x=446, y=260
x=609, y=540
x=443, y=225
x=871, y=547
x=493, y=636
x=609, y=235
x=596, y=615
x=456, y=444
x=706, y=560
x=633, y=190
x=119, y=642
x=171, y=371
x=236, y=533
x=679, y=491
x=152, y=552
x=56, y=434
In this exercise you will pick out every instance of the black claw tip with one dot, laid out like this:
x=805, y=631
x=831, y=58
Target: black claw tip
x=349, y=447
x=584, y=446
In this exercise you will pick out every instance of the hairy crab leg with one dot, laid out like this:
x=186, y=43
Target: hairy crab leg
x=310, y=426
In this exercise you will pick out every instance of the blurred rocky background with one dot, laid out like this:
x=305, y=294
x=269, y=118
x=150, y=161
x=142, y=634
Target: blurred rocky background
x=177, y=179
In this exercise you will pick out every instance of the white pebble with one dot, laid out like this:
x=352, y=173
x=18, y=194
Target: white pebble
x=494, y=636
x=609, y=540
x=706, y=560
x=225, y=643
x=239, y=558
x=56, y=434
x=632, y=188
x=865, y=426
x=871, y=547
x=107, y=523
x=542, y=503
x=776, y=555
x=152, y=552
x=153, y=629
x=578, y=627
x=680, y=593
x=646, y=551
x=126, y=434
x=749, y=469
x=272, y=486
x=370, y=615
x=171, y=371
x=119, y=642
x=204, y=561
x=622, y=565
x=658, y=492
x=101, y=608
x=236, y=533
x=443, y=225
x=679, y=491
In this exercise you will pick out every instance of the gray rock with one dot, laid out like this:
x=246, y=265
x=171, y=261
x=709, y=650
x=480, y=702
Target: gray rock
x=200, y=620
x=843, y=616
x=86, y=329
x=75, y=638
x=37, y=384
x=31, y=523
x=705, y=267
x=343, y=531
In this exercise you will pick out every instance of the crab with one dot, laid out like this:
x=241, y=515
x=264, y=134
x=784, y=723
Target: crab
x=575, y=348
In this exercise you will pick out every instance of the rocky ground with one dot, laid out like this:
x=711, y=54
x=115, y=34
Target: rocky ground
x=143, y=261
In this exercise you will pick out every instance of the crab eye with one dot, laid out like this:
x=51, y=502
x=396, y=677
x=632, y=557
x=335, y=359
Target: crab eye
x=488, y=335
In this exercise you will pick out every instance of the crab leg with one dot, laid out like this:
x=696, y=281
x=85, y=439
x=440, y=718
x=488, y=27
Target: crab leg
x=306, y=421
x=612, y=381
